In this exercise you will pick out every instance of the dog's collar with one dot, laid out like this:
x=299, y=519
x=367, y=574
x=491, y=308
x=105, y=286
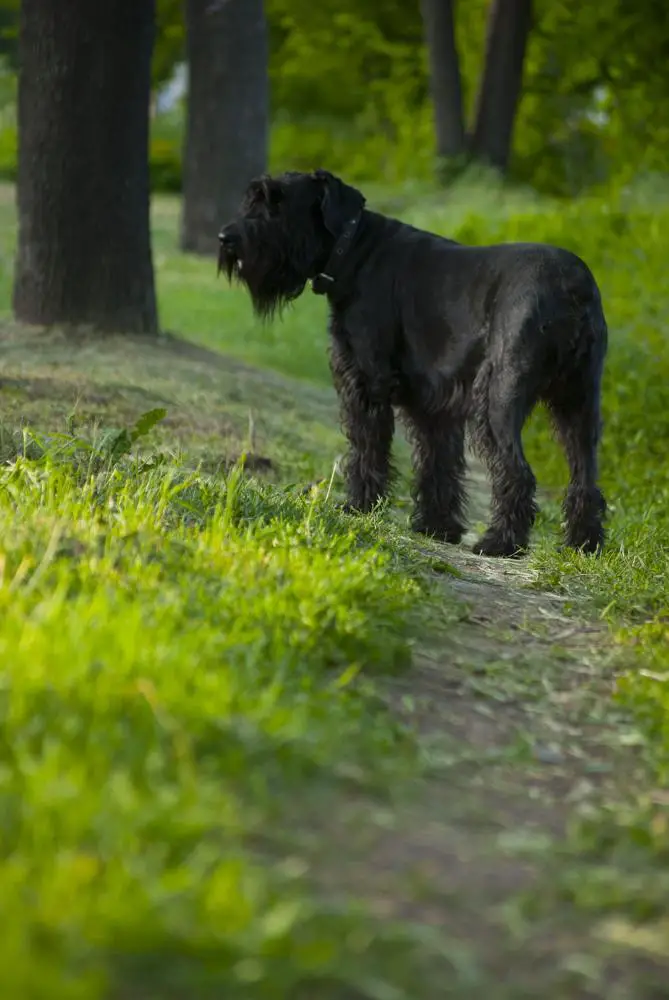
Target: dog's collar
x=325, y=281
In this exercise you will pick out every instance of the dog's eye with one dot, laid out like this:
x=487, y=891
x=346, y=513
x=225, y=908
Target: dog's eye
x=267, y=196
x=274, y=200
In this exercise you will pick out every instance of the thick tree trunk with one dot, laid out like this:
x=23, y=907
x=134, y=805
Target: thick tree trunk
x=445, y=81
x=84, y=248
x=508, y=31
x=228, y=113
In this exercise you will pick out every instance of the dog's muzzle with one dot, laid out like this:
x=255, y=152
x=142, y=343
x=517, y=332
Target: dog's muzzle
x=229, y=245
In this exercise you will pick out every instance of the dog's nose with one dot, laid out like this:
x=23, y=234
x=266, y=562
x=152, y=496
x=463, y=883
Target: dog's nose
x=228, y=238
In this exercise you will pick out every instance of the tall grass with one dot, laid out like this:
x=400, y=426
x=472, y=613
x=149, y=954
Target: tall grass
x=184, y=660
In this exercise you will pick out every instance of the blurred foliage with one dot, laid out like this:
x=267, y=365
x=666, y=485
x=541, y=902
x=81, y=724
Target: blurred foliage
x=594, y=101
x=9, y=30
x=350, y=88
x=170, y=39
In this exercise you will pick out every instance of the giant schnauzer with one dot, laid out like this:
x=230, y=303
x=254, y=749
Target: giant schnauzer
x=456, y=338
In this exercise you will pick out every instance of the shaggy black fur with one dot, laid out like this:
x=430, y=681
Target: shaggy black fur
x=453, y=337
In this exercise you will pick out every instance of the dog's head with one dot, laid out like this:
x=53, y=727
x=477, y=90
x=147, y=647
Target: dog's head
x=284, y=233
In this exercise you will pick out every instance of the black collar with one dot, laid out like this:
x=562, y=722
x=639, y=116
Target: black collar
x=325, y=281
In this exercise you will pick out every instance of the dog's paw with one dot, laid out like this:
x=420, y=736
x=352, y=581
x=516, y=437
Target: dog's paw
x=498, y=546
x=449, y=533
x=355, y=510
x=589, y=546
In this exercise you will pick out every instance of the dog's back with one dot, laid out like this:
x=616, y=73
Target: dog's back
x=453, y=303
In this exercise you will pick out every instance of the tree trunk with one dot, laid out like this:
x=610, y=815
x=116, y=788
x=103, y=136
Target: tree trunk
x=227, y=130
x=84, y=247
x=509, y=26
x=445, y=82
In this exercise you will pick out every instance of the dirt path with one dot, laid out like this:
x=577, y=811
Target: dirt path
x=512, y=705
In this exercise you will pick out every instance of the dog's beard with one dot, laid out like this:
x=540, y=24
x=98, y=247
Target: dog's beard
x=268, y=299
x=228, y=263
x=271, y=280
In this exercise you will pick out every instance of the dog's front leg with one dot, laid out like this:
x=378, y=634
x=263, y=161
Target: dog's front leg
x=368, y=422
x=369, y=426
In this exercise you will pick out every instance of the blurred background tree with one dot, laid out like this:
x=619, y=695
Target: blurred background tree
x=556, y=94
x=227, y=118
x=84, y=253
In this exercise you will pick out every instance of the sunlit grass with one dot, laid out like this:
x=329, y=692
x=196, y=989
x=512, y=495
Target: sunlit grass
x=182, y=657
x=185, y=655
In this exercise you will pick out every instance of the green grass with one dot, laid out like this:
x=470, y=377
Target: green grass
x=190, y=660
x=180, y=662
x=195, y=662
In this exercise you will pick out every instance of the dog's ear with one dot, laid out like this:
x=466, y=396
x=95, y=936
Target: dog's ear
x=339, y=202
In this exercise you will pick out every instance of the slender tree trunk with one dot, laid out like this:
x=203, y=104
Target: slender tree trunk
x=509, y=26
x=84, y=249
x=228, y=113
x=445, y=81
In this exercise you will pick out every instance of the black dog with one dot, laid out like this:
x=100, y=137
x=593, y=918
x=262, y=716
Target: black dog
x=455, y=337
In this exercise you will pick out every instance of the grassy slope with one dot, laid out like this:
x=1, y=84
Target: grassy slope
x=166, y=737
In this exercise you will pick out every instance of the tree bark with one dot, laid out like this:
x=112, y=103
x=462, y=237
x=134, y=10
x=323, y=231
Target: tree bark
x=226, y=142
x=84, y=246
x=509, y=26
x=445, y=81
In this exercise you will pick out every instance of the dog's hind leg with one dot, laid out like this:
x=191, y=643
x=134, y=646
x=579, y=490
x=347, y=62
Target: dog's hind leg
x=575, y=407
x=368, y=423
x=584, y=505
x=439, y=464
x=499, y=409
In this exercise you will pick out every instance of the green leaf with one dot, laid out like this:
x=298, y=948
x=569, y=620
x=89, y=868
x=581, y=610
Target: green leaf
x=147, y=422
